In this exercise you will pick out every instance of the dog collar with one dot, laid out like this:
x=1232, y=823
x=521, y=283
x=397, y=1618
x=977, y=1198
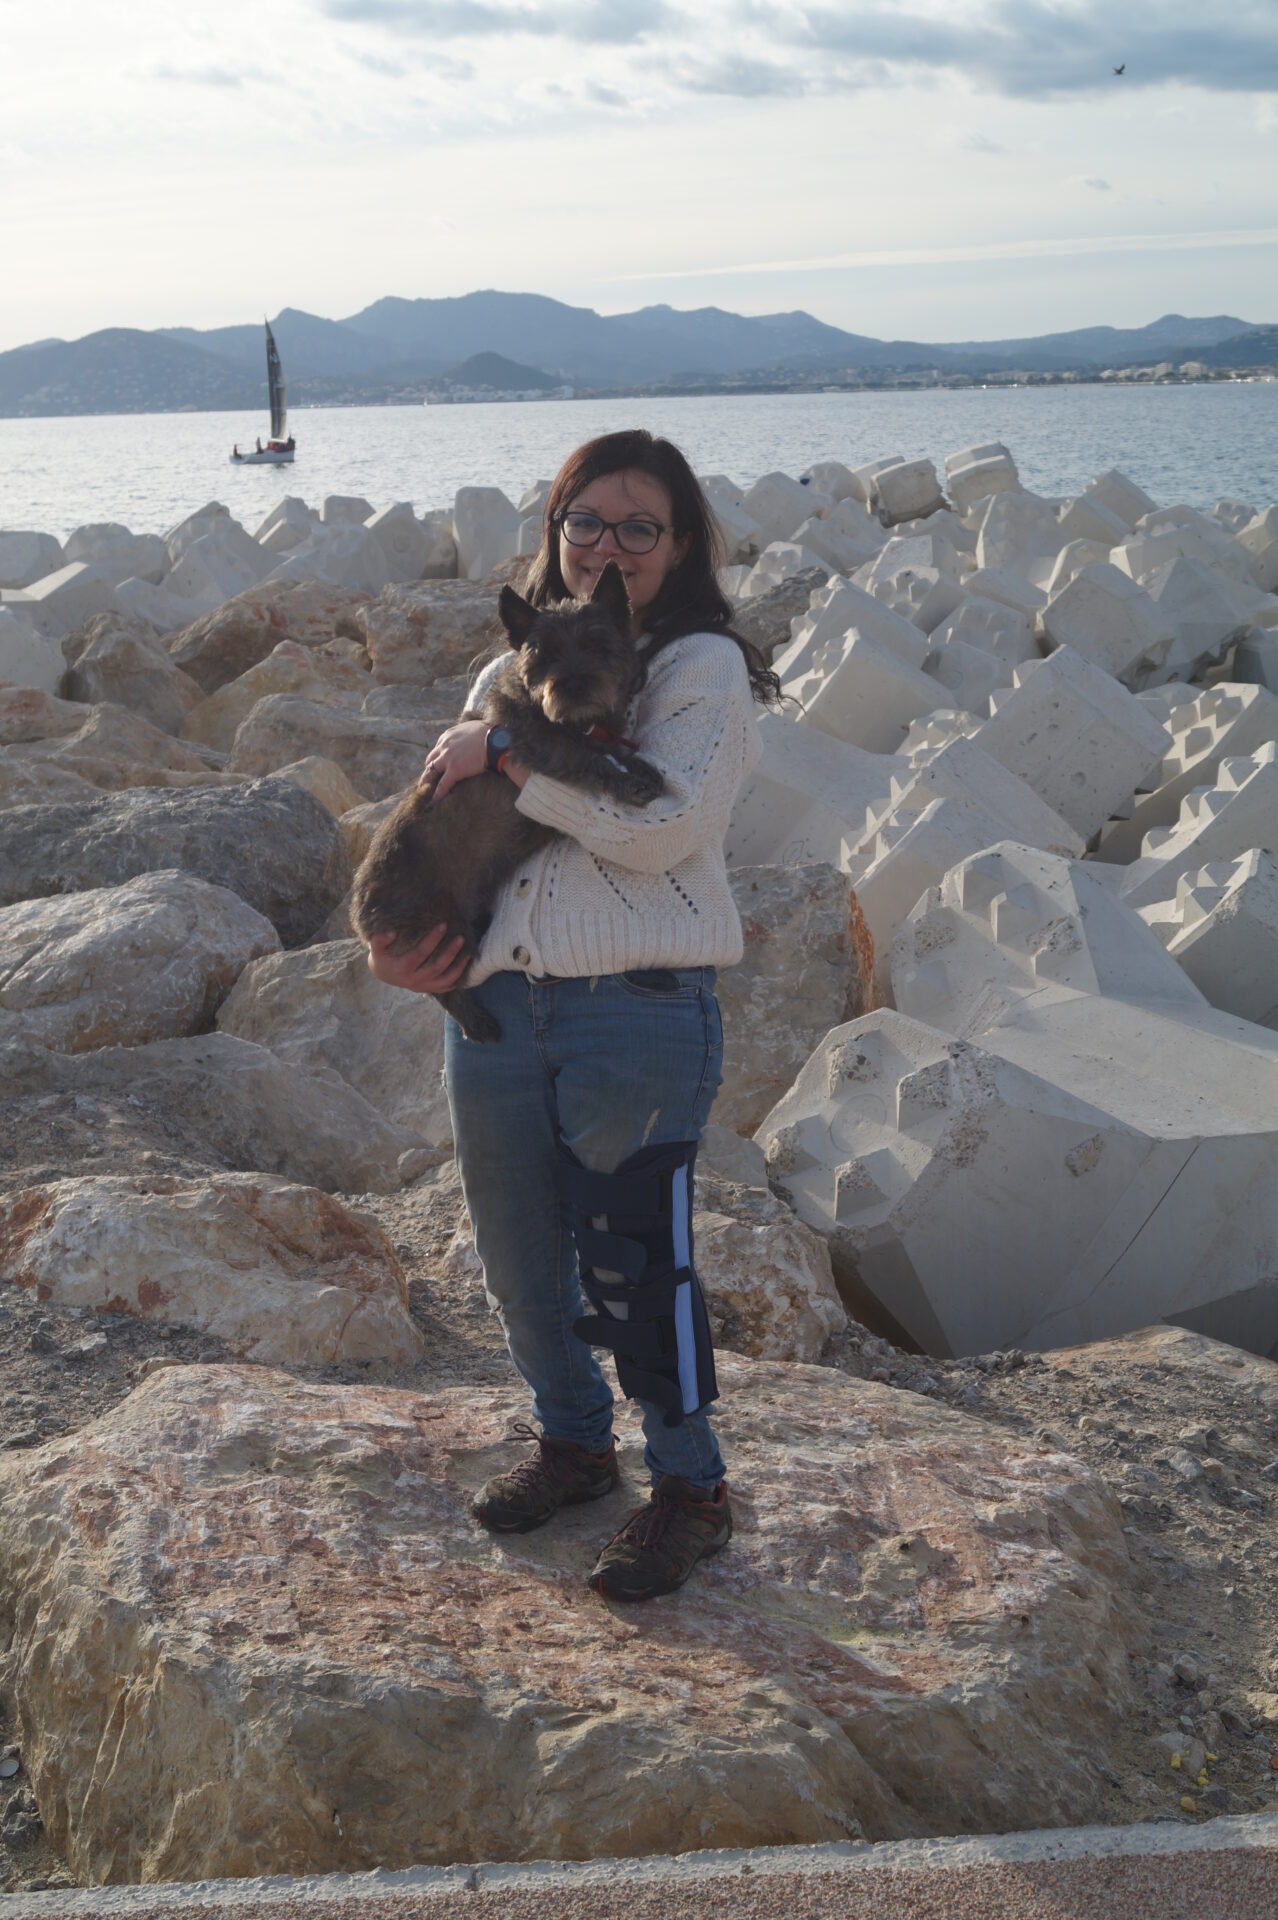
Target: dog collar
x=607, y=739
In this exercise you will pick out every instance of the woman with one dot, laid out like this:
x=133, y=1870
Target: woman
x=576, y=1131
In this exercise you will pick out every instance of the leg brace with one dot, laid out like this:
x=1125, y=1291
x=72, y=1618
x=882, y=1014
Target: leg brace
x=633, y=1230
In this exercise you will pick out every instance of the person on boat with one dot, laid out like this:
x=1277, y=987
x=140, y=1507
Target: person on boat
x=235, y=451
x=600, y=965
x=259, y=443
x=289, y=444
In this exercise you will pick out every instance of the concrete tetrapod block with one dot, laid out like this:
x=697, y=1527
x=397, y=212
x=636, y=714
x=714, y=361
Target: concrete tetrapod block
x=1107, y=619
x=119, y=554
x=1150, y=548
x=806, y=798
x=924, y=591
x=349, y=557
x=863, y=478
x=1015, y=528
x=846, y=538
x=1259, y=541
x=990, y=625
x=836, y=610
x=1120, y=496
x=1071, y=560
x=781, y=560
x=969, y=674
x=1088, y=518
x=289, y=522
x=1220, y=822
x=904, y=491
x=1222, y=722
x=868, y=697
x=1075, y=735
x=486, y=529
x=28, y=658
x=403, y=540
x=225, y=560
x=778, y=504
x=1078, y=1166
x=960, y=771
x=59, y=603
x=1224, y=933
x=346, y=510
x=1008, y=588
x=832, y=477
x=974, y=479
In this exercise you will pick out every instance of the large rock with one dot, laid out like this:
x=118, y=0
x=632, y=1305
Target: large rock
x=106, y=744
x=226, y=643
x=266, y=840
x=766, y=620
x=432, y=631
x=237, y=1105
x=377, y=755
x=25, y=783
x=119, y=660
x=769, y=1287
x=807, y=967
x=284, y=1274
x=288, y=668
x=118, y=966
x=322, y=1007
x=234, y=1564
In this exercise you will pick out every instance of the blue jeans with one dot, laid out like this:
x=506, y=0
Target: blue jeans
x=608, y=1066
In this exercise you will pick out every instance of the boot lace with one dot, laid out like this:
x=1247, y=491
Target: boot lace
x=548, y=1463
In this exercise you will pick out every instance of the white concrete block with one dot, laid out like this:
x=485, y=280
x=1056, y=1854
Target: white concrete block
x=1072, y=1165
x=166, y=612
x=289, y=522
x=835, y=611
x=1255, y=659
x=1076, y=736
x=28, y=658
x=781, y=560
x=738, y=530
x=1120, y=495
x=1233, y=515
x=983, y=472
x=968, y=673
x=1008, y=588
x=1206, y=727
x=1017, y=527
x=1259, y=541
x=1070, y=561
x=831, y=477
x=904, y=491
x=340, y=557
x=533, y=499
x=867, y=697
x=118, y=554
x=983, y=450
x=25, y=557
x=961, y=772
x=1104, y=616
x=945, y=525
x=863, y=477
x=808, y=795
x=402, y=539
x=1225, y=935
x=779, y=504
x=991, y=626
x=346, y=510
x=841, y=552
x=1220, y=822
x=193, y=528
x=1088, y=518
x=918, y=578
x=441, y=562
x=1149, y=549
x=486, y=529
x=226, y=560
x=63, y=601
x=1207, y=609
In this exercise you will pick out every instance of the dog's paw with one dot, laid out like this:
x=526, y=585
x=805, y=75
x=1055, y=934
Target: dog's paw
x=642, y=783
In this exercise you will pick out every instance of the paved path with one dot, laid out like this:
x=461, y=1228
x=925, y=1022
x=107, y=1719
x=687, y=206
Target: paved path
x=1222, y=1870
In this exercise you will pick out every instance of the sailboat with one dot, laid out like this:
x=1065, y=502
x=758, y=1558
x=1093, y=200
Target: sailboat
x=278, y=452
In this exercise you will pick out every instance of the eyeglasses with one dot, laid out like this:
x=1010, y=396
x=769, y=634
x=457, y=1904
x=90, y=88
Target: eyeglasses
x=588, y=529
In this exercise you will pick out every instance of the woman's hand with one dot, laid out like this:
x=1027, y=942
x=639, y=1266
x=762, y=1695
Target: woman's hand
x=458, y=754
x=434, y=965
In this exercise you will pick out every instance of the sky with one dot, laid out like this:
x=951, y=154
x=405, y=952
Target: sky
x=967, y=170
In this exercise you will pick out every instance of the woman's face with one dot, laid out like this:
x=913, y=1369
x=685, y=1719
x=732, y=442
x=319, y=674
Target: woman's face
x=627, y=495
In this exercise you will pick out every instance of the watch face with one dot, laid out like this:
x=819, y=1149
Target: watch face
x=498, y=743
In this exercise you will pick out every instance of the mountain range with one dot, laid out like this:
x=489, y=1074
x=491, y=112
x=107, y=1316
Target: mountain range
x=395, y=348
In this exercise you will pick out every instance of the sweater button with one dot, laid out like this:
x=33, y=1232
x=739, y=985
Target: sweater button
x=521, y=956
x=524, y=885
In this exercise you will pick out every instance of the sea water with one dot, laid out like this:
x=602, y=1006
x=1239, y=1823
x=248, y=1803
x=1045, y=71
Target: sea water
x=1189, y=445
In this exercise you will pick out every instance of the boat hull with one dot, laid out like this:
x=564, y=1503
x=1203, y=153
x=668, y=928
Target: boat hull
x=262, y=459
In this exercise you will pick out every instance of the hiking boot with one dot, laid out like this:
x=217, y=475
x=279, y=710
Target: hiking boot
x=559, y=1474
x=659, y=1546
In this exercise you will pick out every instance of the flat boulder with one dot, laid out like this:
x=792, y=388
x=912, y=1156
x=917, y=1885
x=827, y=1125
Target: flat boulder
x=290, y=667
x=122, y=661
x=378, y=755
x=225, y=643
x=430, y=631
x=108, y=746
x=922, y=1626
x=268, y=841
x=118, y=966
x=321, y=1007
x=284, y=1275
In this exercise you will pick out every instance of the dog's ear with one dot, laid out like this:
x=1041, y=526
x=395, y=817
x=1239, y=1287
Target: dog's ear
x=610, y=594
x=516, y=614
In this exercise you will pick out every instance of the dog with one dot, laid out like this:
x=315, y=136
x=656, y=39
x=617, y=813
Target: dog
x=563, y=696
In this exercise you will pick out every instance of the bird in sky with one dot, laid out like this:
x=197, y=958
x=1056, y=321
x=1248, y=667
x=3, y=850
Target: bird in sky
x=1121, y=70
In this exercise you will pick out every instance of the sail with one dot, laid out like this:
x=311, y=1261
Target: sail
x=275, y=382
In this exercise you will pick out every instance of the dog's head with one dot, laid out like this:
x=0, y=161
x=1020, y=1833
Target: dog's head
x=577, y=659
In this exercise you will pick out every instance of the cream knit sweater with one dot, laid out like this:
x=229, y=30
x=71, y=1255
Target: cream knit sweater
x=630, y=887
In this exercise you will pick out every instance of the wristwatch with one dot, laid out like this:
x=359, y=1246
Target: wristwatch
x=498, y=743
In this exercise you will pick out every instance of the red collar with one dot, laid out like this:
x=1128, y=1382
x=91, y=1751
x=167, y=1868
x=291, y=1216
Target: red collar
x=607, y=739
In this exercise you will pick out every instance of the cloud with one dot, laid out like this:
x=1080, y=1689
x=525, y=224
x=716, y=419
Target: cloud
x=980, y=143
x=592, y=22
x=211, y=76
x=1093, y=181
x=602, y=96
x=737, y=75
x=1037, y=48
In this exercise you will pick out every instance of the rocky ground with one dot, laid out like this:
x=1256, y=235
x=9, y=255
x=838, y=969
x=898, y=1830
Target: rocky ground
x=1184, y=1433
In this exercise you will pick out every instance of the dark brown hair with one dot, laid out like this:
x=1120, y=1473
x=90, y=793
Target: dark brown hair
x=690, y=599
